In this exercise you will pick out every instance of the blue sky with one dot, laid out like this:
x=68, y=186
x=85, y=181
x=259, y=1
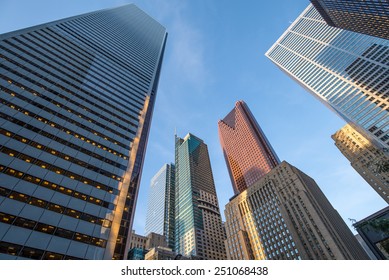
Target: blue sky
x=214, y=57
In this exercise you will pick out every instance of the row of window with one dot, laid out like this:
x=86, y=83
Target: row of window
x=31, y=253
x=70, y=61
x=83, y=98
x=52, y=230
x=60, y=105
x=61, y=140
x=73, y=78
x=83, y=56
x=59, y=154
x=54, y=207
x=53, y=168
x=52, y=186
x=59, y=127
x=59, y=115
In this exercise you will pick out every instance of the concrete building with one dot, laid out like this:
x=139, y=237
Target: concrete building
x=369, y=161
x=285, y=216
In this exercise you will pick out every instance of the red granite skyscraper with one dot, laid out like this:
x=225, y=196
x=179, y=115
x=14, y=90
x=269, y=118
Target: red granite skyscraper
x=248, y=154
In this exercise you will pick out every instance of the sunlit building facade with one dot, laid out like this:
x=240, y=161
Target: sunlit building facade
x=77, y=97
x=370, y=17
x=346, y=71
x=161, y=204
x=285, y=216
x=198, y=229
x=369, y=161
x=247, y=152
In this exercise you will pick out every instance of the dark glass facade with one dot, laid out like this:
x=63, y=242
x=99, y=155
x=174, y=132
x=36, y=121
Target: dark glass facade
x=77, y=97
x=374, y=230
x=370, y=17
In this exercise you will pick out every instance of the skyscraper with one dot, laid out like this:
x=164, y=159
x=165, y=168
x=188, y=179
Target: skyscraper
x=198, y=230
x=282, y=214
x=285, y=215
x=369, y=161
x=369, y=17
x=77, y=97
x=346, y=71
x=161, y=204
x=248, y=153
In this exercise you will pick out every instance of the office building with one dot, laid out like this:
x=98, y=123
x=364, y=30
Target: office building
x=247, y=152
x=154, y=240
x=347, y=71
x=198, y=229
x=137, y=254
x=374, y=230
x=370, y=17
x=369, y=161
x=286, y=216
x=137, y=241
x=77, y=97
x=161, y=204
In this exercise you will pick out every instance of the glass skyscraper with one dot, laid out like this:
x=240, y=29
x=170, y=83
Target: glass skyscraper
x=369, y=17
x=346, y=71
x=198, y=229
x=161, y=204
x=77, y=97
x=248, y=153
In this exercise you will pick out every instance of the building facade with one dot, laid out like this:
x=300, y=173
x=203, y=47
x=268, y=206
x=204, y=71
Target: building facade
x=286, y=216
x=161, y=204
x=369, y=161
x=374, y=230
x=137, y=241
x=347, y=71
x=247, y=152
x=77, y=97
x=370, y=17
x=198, y=229
x=154, y=240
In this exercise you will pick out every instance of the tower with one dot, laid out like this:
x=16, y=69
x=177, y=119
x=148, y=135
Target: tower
x=198, y=229
x=281, y=214
x=247, y=152
x=160, y=217
x=346, y=71
x=77, y=97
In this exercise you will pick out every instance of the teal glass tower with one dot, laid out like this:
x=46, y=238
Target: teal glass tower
x=76, y=98
x=160, y=217
x=347, y=71
x=198, y=229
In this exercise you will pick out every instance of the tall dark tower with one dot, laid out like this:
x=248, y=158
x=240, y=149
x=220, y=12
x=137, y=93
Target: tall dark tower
x=369, y=17
x=248, y=153
x=77, y=97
